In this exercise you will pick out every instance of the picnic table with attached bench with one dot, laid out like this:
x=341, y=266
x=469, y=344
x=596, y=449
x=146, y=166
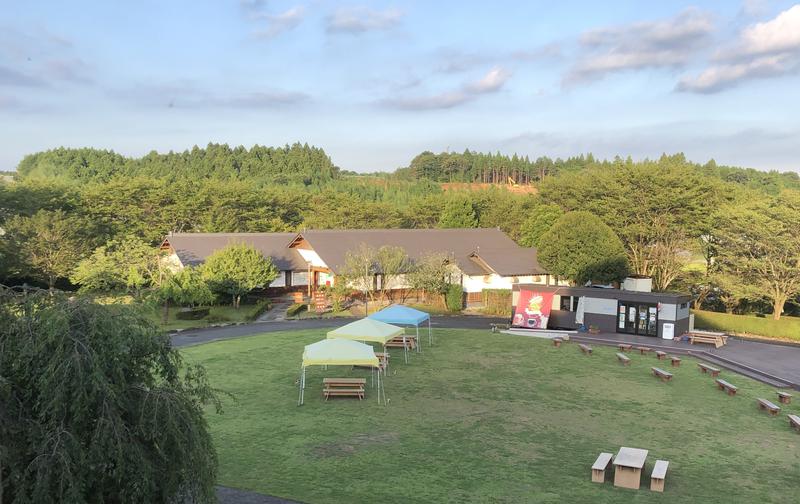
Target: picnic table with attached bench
x=628, y=467
x=768, y=406
x=794, y=422
x=784, y=397
x=716, y=339
x=585, y=349
x=349, y=387
x=727, y=387
x=624, y=359
x=660, y=373
x=658, y=476
x=705, y=368
x=600, y=466
x=410, y=342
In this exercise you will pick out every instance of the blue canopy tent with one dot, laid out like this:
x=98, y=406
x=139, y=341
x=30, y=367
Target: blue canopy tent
x=404, y=316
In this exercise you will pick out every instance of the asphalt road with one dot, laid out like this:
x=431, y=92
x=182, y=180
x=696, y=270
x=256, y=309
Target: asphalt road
x=205, y=335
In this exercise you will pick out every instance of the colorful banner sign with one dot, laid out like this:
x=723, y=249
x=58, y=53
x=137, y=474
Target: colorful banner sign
x=533, y=309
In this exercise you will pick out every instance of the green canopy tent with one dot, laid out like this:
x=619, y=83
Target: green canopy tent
x=367, y=329
x=339, y=352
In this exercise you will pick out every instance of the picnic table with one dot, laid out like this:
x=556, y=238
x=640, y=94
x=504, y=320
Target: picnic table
x=713, y=338
x=343, y=387
x=628, y=466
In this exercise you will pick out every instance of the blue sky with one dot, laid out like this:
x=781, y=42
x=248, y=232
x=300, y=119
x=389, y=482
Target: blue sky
x=376, y=83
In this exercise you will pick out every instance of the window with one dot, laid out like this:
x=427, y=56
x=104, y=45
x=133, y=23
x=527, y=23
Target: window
x=569, y=303
x=684, y=306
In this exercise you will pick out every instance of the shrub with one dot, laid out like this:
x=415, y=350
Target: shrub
x=454, y=298
x=296, y=309
x=192, y=313
x=217, y=318
x=496, y=301
x=261, y=308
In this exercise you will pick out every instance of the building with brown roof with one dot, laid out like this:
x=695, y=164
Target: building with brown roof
x=482, y=258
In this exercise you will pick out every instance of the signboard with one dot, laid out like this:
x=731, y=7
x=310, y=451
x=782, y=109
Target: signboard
x=320, y=301
x=533, y=309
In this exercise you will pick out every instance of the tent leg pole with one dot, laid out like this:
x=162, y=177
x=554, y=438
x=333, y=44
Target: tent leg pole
x=419, y=343
x=430, y=335
x=405, y=347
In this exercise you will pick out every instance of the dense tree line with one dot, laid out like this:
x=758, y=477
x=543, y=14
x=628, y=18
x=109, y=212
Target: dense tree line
x=298, y=164
x=672, y=216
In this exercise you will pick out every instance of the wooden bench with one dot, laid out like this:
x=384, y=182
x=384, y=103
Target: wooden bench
x=343, y=387
x=658, y=476
x=727, y=387
x=764, y=404
x=600, y=466
x=784, y=397
x=794, y=422
x=585, y=348
x=624, y=348
x=676, y=361
x=557, y=342
x=715, y=339
x=660, y=373
x=705, y=368
x=624, y=359
x=411, y=342
x=661, y=355
x=643, y=349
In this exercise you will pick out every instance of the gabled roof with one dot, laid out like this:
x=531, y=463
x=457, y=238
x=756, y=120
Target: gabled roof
x=459, y=244
x=194, y=248
x=509, y=261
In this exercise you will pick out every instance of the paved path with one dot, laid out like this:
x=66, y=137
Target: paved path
x=197, y=336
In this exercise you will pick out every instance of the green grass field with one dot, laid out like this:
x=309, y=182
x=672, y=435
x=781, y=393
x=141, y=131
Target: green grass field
x=787, y=328
x=484, y=417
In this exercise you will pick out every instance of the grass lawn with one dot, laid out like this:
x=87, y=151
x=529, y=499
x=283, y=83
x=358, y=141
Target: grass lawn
x=486, y=417
x=787, y=328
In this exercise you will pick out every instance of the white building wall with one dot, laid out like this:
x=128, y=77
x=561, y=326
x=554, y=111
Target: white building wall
x=682, y=313
x=667, y=312
x=312, y=257
x=477, y=283
x=600, y=306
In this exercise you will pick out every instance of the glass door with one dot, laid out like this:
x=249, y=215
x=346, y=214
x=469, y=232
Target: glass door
x=637, y=318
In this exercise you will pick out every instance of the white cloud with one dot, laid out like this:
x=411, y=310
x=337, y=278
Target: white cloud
x=763, y=50
x=357, y=20
x=650, y=44
x=283, y=22
x=492, y=82
x=779, y=34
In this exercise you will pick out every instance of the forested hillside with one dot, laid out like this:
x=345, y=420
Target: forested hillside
x=728, y=235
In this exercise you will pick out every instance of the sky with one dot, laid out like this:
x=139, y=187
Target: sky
x=376, y=83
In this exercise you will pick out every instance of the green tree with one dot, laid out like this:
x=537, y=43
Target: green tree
x=392, y=263
x=98, y=407
x=430, y=274
x=129, y=263
x=185, y=287
x=458, y=212
x=580, y=247
x=359, y=270
x=48, y=244
x=541, y=218
x=237, y=269
x=759, y=242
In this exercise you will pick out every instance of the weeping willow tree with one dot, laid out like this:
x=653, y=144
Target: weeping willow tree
x=96, y=406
